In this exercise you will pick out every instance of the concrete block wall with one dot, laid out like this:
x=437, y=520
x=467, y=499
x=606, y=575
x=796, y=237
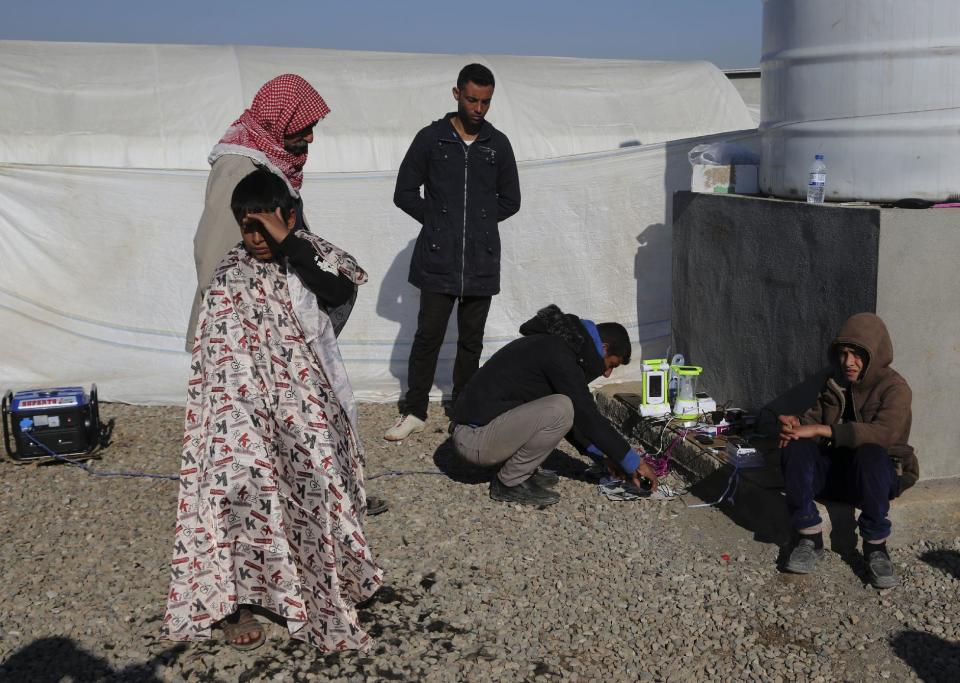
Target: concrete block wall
x=760, y=287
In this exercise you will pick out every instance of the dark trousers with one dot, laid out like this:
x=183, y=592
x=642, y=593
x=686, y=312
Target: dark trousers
x=864, y=477
x=432, y=320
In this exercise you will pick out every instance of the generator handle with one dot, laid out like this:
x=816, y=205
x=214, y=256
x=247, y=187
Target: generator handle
x=97, y=429
x=5, y=410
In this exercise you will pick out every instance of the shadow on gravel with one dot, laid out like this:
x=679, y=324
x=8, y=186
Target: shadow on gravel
x=455, y=467
x=843, y=537
x=50, y=660
x=932, y=658
x=947, y=561
x=768, y=523
x=567, y=466
x=391, y=616
x=843, y=526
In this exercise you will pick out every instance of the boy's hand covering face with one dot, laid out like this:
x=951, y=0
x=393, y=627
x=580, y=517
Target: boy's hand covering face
x=277, y=228
x=264, y=231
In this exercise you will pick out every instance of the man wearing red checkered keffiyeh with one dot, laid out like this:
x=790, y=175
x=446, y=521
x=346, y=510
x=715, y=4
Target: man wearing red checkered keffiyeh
x=273, y=134
x=279, y=123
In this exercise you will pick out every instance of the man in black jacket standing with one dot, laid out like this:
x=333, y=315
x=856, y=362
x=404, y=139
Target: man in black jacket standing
x=531, y=394
x=470, y=183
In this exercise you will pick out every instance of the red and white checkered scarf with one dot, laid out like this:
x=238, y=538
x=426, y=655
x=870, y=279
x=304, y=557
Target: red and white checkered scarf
x=283, y=106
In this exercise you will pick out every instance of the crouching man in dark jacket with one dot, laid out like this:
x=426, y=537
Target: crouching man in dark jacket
x=531, y=394
x=851, y=446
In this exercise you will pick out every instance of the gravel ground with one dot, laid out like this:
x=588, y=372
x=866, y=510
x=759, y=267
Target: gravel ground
x=475, y=590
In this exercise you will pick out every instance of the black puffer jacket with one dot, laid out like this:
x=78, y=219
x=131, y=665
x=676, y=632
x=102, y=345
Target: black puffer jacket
x=556, y=356
x=467, y=190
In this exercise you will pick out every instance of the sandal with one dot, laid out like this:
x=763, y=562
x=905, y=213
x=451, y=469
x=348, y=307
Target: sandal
x=376, y=505
x=242, y=623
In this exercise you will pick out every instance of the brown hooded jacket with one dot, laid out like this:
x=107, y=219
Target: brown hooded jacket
x=881, y=398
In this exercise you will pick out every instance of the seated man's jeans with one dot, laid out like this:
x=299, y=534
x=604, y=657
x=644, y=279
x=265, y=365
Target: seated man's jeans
x=864, y=477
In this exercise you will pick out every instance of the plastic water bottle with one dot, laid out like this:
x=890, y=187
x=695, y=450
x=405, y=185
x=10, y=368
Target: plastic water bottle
x=816, y=185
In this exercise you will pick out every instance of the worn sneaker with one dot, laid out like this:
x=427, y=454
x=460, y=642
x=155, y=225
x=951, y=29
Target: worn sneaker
x=803, y=557
x=524, y=493
x=880, y=570
x=405, y=426
x=545, y=479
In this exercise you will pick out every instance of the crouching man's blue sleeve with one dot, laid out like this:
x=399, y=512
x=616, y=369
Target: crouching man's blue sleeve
x=629, y=462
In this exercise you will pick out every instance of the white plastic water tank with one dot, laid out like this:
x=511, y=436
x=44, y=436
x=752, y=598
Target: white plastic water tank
x=873, y=85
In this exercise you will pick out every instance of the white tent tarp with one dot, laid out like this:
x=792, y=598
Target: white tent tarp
x=102, y=173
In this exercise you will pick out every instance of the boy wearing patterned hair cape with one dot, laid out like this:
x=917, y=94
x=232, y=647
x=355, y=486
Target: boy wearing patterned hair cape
x=272, y=500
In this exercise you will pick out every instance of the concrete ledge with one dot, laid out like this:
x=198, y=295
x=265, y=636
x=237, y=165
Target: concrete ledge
x=758, y=502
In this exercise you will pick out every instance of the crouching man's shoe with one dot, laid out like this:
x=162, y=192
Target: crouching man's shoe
x=804, y=556
x=404, y=427
x=545, y=479
x=879, y=566
x=524, y=493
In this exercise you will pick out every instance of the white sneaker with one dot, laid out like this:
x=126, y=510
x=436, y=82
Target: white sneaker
x=405, y=426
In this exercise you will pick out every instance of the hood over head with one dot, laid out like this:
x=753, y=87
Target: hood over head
x=868, y=332
x=577, y=334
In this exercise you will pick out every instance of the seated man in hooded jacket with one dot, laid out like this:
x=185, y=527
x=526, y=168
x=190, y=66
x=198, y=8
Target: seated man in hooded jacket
x=531, y=394
x=851, y=446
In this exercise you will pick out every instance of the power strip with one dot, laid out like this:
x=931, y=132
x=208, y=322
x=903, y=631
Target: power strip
x=743, y=456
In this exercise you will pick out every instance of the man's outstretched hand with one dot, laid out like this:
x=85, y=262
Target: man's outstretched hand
x=644, y=471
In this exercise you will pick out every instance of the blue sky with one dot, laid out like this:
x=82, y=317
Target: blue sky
x=724, y=32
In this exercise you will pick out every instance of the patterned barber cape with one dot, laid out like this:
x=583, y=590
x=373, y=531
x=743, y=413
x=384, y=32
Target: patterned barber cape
x=271, y=500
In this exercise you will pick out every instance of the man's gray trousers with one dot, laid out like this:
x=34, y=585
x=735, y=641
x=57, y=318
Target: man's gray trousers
x=521, y=438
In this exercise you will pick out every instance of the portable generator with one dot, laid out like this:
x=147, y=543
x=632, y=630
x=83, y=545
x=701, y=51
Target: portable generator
x=42, y=422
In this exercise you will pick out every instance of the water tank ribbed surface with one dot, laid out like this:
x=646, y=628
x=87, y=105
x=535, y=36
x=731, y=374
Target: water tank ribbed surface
x=873, y=85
